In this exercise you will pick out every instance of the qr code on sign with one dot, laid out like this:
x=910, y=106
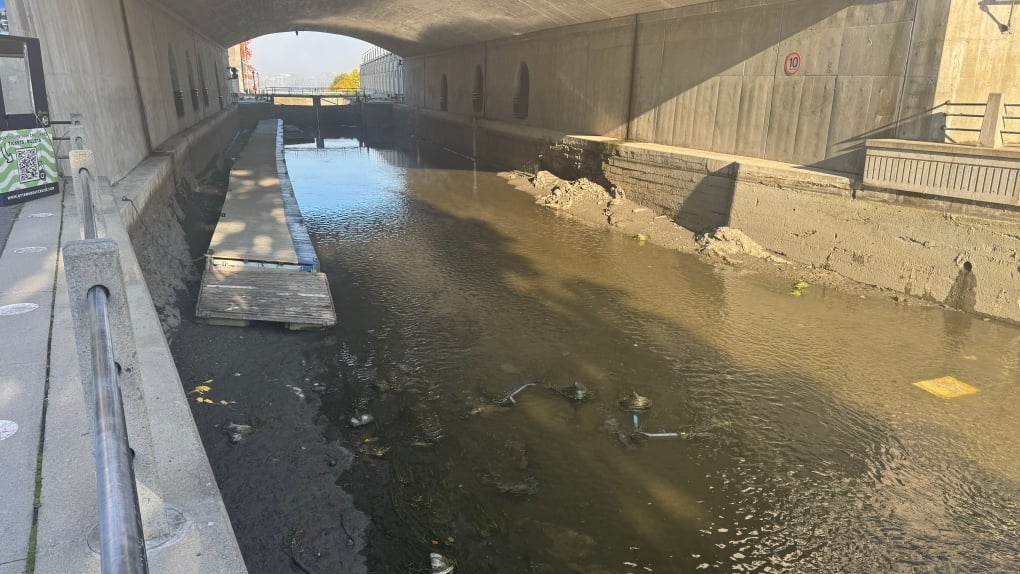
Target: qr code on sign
x=28, y=165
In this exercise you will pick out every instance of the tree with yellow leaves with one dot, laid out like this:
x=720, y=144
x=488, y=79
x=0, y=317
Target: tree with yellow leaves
x=347, y=81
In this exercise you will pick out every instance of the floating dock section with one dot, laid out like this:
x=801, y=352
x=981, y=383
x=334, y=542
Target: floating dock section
x=261, y=264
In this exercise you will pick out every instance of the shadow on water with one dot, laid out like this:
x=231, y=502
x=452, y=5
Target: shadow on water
x=453, y=291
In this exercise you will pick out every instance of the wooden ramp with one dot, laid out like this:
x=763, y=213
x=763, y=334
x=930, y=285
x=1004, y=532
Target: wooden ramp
x=237, y=295
x=262, y=265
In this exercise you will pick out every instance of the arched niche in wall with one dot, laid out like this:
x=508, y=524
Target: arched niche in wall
x=444, y=93
x=191, y=81
x=522, y=91
x=201, y=78
x=175, y=82
x=478, y=90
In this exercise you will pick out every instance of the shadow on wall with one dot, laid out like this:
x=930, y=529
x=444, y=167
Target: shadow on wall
x=926, y=125
x=709, y=204
x=733, y=96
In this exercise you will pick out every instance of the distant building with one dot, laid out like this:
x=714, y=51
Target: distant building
x=382, y=73
x=239, y=59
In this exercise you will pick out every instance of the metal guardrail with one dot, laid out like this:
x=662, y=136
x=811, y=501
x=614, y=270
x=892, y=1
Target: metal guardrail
x=947, y=114
x=1011, y=118
x=122, y=542
x=983, y=106
x=299, y=91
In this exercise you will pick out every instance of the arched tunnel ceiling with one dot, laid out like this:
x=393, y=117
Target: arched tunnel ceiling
x=405, y=27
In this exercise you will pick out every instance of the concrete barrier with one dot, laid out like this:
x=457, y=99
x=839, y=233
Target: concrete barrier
x=177, y=161
x=187, y=527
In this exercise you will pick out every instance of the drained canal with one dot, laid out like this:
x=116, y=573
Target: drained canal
x=491, y=341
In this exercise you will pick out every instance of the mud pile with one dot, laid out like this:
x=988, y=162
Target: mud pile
x=562, y=194
x=731, y=244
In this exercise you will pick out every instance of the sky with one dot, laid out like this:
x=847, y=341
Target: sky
x=306, y=57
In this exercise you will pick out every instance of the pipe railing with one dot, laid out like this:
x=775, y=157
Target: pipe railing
x=121, y=539
x=948, y=114
x=1007, y=117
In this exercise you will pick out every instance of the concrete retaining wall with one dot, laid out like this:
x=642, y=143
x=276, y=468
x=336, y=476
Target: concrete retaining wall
x=813, y=217
x=964, y=262
x=178, y=162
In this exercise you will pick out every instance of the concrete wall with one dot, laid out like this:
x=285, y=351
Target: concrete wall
x=579, y=78
x=711, y=76
x=978, y=58
x=951, y=254
x=717, y=81
x=154, y=32
x=87, y=60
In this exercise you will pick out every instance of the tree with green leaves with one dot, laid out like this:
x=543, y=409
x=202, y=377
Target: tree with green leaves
x=347, y=80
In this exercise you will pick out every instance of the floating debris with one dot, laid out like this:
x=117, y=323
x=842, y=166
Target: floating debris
x=362, y=420
x=524, y=487
x=510, y=398
x=946, y=387
x=482, y=410
x=440, y=565
x=799, y=287
x=378, y=451
x=238, y=432
x=635, y=403
x=576, y=392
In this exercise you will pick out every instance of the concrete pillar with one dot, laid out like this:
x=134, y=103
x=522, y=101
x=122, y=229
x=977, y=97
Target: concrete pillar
x=991, y=126
x=320, y=142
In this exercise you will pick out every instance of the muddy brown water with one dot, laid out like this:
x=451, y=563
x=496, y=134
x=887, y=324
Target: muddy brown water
x=801, y=443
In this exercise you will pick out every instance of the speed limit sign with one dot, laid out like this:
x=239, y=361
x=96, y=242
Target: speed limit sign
x=793, y=62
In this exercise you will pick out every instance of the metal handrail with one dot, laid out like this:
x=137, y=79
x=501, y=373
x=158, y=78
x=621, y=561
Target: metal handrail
x=122, y=541
x=296, y=91
x=1005, y=118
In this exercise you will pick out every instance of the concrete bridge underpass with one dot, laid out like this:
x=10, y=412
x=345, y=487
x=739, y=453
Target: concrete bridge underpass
x=840, y=133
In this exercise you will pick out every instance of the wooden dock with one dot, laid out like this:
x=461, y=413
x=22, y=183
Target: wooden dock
x=261, y=264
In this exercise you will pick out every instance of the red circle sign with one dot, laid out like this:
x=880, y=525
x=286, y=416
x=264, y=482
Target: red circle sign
x=793, y=62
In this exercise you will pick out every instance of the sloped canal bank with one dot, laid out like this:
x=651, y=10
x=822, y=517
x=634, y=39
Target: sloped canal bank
x=799, y=441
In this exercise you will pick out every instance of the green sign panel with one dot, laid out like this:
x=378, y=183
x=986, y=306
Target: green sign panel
x=28, y=167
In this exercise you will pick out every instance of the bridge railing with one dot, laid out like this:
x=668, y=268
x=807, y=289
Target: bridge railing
x=304, y=91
